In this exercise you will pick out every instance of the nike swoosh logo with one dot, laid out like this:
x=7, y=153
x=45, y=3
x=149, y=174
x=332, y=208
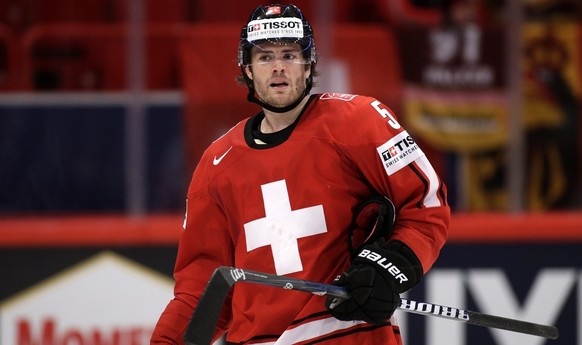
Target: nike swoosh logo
x=216, y=161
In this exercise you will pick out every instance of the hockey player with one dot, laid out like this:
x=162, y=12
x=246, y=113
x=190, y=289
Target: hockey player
x=288, y=191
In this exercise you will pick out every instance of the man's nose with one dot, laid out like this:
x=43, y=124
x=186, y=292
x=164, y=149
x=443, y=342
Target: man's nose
x=279, y=63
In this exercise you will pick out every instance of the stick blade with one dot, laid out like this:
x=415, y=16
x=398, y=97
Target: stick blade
x=207, y=312
x=549, y=332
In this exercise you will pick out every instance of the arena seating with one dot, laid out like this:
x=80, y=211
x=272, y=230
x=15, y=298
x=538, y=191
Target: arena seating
x=20, y=15
x=9, y=59
x=78, y=46
x=68, y=57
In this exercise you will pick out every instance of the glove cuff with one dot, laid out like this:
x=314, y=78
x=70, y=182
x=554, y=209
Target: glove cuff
x=396, y=263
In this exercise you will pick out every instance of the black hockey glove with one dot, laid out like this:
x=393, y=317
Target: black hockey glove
x=375, y=279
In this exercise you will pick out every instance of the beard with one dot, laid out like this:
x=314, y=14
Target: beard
x=284, y=98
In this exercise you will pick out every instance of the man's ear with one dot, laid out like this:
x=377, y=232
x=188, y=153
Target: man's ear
x=249, y=72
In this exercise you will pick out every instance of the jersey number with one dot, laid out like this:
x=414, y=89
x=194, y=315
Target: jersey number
x=385, y=113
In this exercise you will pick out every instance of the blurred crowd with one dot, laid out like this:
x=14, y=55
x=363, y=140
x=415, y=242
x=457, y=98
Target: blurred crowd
x=450, y=84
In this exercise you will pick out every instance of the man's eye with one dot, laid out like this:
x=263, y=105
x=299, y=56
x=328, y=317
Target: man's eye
x=265, y=58
x=289, y=57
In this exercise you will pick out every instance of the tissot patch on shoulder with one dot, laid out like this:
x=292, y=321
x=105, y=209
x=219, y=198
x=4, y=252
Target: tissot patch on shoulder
x=341, y=96
x=398, y=152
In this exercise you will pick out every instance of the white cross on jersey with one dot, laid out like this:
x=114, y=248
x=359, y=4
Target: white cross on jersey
x=282, y=226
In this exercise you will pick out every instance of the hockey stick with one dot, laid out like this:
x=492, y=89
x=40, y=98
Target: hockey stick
x=205, y=317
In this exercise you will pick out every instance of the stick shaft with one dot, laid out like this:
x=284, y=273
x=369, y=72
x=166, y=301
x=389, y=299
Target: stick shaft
x=206, y=315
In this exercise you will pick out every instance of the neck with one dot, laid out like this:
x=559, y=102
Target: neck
x=274, y=122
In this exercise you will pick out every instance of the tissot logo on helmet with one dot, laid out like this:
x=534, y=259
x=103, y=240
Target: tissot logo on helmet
x=274, y=28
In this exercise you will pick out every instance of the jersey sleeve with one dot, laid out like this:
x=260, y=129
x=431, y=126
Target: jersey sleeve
x=389, y=158
x=204, y=245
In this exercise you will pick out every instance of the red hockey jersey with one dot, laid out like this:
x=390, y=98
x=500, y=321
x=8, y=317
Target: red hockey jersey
x=286, y=209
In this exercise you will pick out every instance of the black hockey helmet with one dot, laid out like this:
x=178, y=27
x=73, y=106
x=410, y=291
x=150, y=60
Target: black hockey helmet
x=277, y=24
